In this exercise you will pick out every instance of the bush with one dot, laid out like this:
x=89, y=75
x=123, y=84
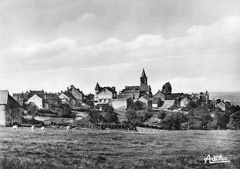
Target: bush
x=31, y=121
x=138, y=105
x=234, y=122
x=65, y=111
x=96, y=117
x=161, y=114
x=136, y=118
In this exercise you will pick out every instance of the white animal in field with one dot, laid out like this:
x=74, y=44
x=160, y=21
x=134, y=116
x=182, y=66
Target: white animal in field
x=43, y=129
x=33, y=128
x=68, y=128
x=15, y=127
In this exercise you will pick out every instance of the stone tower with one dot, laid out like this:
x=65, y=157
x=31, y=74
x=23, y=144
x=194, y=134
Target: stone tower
x=143, y=78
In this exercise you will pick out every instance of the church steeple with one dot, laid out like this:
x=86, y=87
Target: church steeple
x=97, y=88
x=143, y=78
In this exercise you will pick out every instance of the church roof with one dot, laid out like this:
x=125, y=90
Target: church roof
x=143, y=73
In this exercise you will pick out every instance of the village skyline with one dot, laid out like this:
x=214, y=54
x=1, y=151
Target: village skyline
x=118, y=90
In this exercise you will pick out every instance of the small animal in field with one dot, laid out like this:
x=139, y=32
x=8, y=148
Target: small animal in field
x=33, y=128
x=43, y=129
x=68, y=128
x=15, y=127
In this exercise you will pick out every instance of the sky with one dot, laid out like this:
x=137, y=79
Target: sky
x=52, y=44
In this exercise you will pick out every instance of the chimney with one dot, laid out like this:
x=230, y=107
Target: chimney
x=67, y=88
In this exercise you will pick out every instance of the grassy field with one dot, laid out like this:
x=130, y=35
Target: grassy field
x=87, y=148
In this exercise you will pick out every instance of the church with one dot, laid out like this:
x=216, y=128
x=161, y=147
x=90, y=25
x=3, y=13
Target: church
x=136, y=92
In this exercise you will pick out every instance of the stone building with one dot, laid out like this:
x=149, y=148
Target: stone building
x=76, y=93
x=10, y=110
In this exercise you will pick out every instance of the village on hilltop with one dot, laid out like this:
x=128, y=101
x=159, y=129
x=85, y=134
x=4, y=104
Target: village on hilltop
x=72, y=99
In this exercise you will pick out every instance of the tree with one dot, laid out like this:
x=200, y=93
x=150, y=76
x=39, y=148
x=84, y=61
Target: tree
x=96, y=117
x=234, y=122
x=167, y=88
x=173, y=121
x=137, y=105
x=137, y=118
x=65, y=110
x=199, y=118
x=110, y=116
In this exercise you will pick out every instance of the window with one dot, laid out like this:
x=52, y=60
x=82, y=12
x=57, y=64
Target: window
x=105, y=100
x=100, y=100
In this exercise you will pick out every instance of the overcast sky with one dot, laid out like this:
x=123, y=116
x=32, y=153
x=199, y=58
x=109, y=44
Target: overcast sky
x=51, y=44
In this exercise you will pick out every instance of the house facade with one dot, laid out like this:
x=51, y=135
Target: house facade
x=37, y=100
x=69, y=99
x=104, y=95
x=76, y=93
x=10, y=110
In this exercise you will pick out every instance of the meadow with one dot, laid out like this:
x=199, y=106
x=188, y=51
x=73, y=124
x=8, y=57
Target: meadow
x=89, y=148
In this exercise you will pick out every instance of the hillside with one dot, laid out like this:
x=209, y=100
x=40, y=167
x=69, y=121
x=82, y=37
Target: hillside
x=232, y=97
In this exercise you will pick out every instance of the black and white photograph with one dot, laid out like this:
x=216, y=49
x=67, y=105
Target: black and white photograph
x=119, y=84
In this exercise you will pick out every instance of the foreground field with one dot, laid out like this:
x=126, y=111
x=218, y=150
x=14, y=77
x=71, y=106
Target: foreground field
x=116, y=149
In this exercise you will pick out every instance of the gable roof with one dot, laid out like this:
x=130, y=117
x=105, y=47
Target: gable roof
x=168, y=104
x=13, y=103
x=3, y=96
x=131, y=88
x=33, y=92
x=48, y=96
x=108, y=88
x=159, y=94
x=125, y=95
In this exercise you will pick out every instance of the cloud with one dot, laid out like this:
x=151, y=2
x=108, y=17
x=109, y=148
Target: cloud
x=204, y=51
x=224, y=33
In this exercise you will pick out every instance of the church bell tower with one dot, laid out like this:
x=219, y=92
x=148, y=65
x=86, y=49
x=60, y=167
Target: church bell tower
x=143, y=78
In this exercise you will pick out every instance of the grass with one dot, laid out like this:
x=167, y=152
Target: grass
x=85, y=148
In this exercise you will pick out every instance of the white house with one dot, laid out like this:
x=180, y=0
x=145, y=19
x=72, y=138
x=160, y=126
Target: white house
x=104, y=95
x=37, y=100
